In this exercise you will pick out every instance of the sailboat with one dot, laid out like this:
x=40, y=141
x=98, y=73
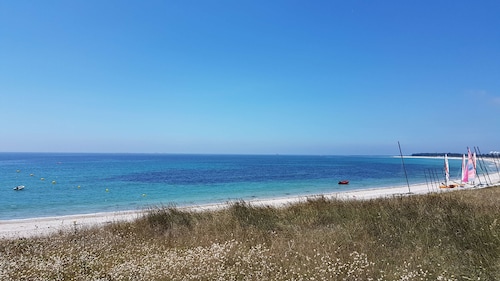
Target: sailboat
x=473, y=171
x=470, y=167
x=447, y=174
x=469, y=171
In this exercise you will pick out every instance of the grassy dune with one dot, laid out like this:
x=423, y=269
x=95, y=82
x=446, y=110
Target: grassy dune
x=447, y=236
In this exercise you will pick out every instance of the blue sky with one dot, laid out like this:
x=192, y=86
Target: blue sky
x=265, y=77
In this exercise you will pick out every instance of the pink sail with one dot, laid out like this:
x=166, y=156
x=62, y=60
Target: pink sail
x=471, y=167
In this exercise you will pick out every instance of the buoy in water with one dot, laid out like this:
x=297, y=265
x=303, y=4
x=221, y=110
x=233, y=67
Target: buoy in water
x=107, y=190
x=54, y=182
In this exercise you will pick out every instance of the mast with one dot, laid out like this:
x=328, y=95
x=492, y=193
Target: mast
x=435, y=178
x=494, y=155
x=426, y=180
x=446, y=170
x=406, y=175
x=483, y=165
x=474, y=162
x=465, y=177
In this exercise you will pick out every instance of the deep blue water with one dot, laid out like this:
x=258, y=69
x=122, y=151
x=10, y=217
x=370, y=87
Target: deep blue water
x=62, y=184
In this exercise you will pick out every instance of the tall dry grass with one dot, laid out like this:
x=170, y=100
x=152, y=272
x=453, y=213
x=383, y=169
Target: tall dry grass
x=448, y=236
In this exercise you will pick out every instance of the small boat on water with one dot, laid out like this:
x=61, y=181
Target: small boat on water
x=19, y=187
x=344, y=182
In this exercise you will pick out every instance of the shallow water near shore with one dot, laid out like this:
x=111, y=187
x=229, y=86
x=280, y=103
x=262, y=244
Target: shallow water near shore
x=63, y=184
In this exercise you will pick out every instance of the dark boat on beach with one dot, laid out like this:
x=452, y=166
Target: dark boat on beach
x=344, y=182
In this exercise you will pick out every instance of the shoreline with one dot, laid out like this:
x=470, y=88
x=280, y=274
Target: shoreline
x=43, y=226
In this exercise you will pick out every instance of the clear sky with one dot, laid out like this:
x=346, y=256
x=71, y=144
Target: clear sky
x=258, y=76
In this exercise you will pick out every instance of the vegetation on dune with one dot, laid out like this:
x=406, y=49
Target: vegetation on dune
x=445, y=236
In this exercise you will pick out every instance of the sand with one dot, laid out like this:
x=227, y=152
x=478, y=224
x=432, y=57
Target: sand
x=20, y=228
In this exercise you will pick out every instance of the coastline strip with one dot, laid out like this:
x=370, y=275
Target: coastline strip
x=20, y=228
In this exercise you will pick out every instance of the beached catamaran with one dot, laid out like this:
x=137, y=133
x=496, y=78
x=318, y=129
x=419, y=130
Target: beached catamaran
x=469, y=171
x=469, y=175
x=447, y=174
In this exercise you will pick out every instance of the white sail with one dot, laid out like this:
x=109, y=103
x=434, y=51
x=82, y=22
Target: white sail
x=446, y=170
x=465, y=177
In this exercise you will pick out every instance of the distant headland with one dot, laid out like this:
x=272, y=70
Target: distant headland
x=453, y=154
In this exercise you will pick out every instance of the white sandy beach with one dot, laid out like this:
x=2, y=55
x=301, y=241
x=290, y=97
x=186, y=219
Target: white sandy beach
x=47, y=225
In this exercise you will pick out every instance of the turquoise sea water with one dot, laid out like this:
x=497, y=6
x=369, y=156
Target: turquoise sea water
x=63, y=184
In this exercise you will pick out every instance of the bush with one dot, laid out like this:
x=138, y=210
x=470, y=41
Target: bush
x=448, y=236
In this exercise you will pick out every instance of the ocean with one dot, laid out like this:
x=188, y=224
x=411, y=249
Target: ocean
x=67, y=183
